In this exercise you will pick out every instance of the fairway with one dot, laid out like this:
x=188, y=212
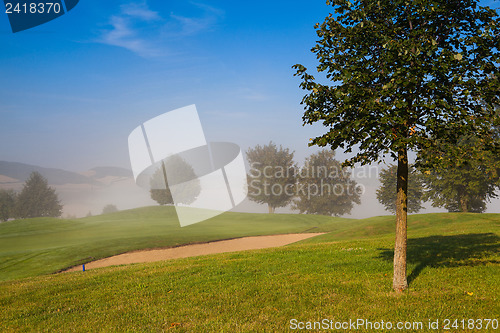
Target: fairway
x=46, y=245
x=343, y=275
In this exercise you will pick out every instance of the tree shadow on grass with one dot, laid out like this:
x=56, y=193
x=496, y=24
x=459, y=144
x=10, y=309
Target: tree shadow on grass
x=448, y=251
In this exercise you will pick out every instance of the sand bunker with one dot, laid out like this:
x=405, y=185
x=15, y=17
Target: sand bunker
x=232, y=245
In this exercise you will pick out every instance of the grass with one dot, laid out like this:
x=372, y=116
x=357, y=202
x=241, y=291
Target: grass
x=453, y=267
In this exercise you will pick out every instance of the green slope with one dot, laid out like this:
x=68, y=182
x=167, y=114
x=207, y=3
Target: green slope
x=453, y=268
x=45, y=245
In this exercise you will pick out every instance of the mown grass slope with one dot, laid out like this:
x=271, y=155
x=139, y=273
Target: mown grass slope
x=344, y=275
x=45, y=245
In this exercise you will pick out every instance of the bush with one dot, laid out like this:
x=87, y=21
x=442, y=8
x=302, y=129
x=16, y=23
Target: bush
x=109, y=209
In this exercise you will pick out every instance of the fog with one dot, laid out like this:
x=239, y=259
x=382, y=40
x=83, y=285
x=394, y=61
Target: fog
x=79, y=200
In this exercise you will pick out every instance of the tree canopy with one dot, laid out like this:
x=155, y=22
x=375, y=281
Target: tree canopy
x=463, y=185
x=182, y=175
x=271, y=179
x=386, y=193
x=404, y=72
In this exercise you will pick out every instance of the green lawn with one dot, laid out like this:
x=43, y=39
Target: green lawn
x=340, y=276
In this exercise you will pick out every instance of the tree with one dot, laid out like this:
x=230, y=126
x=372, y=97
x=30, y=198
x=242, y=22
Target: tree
x=109, y=209
x=464, y=185
x=325, y=187
x=405, y=74
x=386, y=193
x=271, y=179
x=7, y=204
x=37, y=199
x=182, y=175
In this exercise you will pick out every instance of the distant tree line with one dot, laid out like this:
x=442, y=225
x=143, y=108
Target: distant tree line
x=461, y=189
x=321, y=186
x=464, y=186
x=36, y=199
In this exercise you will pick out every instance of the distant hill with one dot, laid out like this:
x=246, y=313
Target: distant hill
x=101, y=172
x=21, y=172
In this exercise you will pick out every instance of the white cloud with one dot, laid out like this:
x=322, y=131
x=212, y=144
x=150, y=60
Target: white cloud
x=252, y=94
x=123, y=35
x=192, y=25
x=128, y=26
x=145, y=32
x=141, y=11
x=228, y=114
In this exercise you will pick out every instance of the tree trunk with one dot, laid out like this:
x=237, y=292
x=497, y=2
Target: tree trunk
x=464, y=204
x=271, y=209
x=399, y=282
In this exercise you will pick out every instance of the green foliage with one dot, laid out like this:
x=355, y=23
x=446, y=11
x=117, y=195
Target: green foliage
x=7, y=204
x=271, y=179
x=325, y=187
x=161, y=196
x=463, y=185
x=37, y=199
x=405, y=74
x=386, y=193
x=110, y=208
x=182, y=176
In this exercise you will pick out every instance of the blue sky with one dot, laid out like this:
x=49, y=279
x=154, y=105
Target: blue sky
x=74, y=88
